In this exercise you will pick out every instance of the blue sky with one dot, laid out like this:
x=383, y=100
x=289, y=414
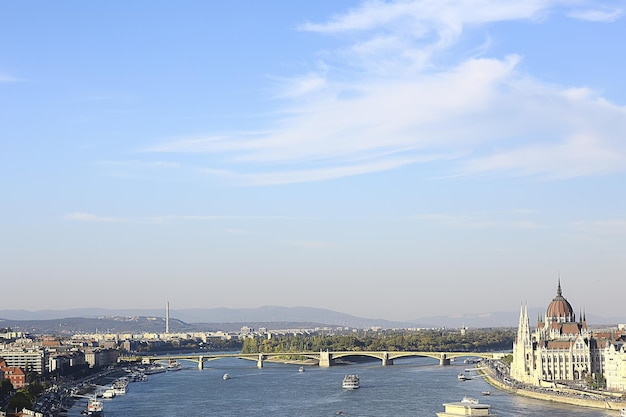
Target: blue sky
x=384, y=159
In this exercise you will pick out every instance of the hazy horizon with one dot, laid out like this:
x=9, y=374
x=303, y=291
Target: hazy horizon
x=388, y=159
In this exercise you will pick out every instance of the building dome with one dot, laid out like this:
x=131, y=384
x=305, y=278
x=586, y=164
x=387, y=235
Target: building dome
x=559, y=307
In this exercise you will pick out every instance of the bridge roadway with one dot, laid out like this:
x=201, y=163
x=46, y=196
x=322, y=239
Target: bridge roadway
x=323, y=358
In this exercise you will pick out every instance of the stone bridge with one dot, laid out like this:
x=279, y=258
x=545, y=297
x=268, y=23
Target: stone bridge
x=323, y=358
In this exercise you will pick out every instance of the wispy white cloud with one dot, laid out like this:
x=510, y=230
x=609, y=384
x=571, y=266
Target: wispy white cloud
x=141, y=164
x=580, y=155
x=386, y=103
x=597, y=15
x=299, y=176
x=429, y=14
x=302, y=85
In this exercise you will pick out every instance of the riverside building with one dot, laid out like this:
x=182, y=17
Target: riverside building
x=563, y=350
x=30, y=360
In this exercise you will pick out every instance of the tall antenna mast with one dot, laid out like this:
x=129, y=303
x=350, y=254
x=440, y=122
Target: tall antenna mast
x=167, y=317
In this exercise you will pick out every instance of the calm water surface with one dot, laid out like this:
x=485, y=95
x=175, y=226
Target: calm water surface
x=415, y=387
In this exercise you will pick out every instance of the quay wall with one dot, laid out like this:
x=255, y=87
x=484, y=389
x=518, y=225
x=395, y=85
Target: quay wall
x=564, y=397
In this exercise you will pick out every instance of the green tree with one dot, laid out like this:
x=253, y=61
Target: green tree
x=5, y=387
x=19, y=401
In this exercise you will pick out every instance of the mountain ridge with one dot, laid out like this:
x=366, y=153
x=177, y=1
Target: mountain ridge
x=207, y=317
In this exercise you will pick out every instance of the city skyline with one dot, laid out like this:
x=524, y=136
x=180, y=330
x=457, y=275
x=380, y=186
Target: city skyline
x=388, y=160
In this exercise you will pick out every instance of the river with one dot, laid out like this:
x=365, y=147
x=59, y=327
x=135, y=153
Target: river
x=414, y=387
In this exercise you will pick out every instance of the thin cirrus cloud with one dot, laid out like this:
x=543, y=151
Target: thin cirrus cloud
x=605, y=227
x=94, y=218
x=5, y=78
x=516, y=219
x=597, y=15
x=400, y=109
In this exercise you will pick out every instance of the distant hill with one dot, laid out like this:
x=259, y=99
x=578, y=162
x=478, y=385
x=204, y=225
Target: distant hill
x=184, y=320
x=505, y=319
x=137, y=324
x=210, y=319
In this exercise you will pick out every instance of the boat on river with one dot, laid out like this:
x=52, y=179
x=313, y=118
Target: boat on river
x=108, y=393
x=156, y=368
x=225, y=377
x=94, y=407
x=301, y=369
x=120, y=386
x=174, y=365
x=463, y=377
x=466, y=407
x=350, y=381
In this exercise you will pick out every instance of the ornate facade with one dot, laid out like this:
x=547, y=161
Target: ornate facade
x=561, y=349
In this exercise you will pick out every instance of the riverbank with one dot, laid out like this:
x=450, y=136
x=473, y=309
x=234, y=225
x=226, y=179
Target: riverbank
x=563, y=396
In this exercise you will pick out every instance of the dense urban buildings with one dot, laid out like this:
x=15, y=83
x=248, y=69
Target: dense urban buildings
x=564, y=350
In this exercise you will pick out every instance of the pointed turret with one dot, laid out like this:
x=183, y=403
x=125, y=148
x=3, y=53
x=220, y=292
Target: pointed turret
x=520, y=368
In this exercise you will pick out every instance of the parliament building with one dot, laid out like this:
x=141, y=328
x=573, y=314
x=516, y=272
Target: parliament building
x=562, y=349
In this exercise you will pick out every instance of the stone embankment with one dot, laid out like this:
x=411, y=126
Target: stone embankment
x=605, y=401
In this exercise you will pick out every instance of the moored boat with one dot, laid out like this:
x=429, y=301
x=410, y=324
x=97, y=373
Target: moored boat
x=120, y=386
x=350, y=381
x=94, y=407
x=155, y=369
x=466, y=407
x=108, y=393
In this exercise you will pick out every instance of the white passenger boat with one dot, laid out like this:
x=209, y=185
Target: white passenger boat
x=108, y=393
x=301, y=369
x=466, y=407
x=155, y=369
x=120, y=386
x=137, y=376
x=351, y=381
x=174, y=365
x=94, y=407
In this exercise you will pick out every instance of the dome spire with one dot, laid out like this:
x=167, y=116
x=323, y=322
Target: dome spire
x=559, y=293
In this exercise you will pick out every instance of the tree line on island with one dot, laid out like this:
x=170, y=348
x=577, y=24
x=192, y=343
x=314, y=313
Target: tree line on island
x=480, y=340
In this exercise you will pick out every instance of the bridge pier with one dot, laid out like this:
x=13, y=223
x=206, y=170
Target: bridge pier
x=443, y=360
x=326, y=359
x=200, y=362
x=386, y=360
x=259, y=363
